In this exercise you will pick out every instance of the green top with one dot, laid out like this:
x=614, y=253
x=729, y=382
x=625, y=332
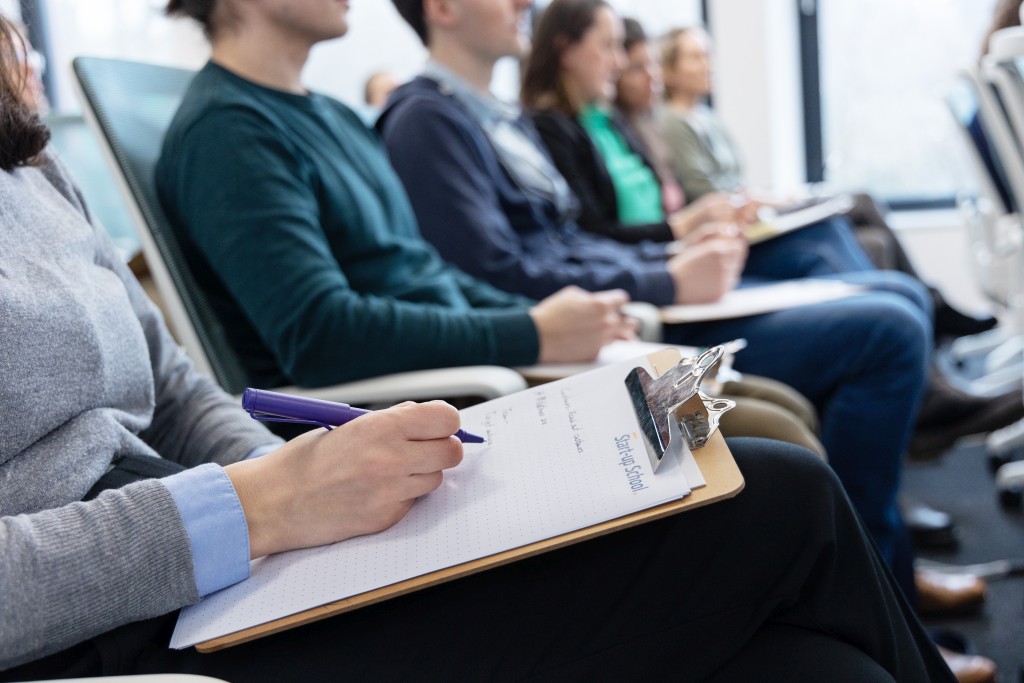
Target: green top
x=637, y=190
x=302, y=235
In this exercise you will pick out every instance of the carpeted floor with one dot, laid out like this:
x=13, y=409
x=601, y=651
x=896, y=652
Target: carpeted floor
x=960, y=483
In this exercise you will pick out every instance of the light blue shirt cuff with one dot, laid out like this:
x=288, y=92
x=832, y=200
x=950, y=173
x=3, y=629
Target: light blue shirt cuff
x=260, y=451
x=215, y=524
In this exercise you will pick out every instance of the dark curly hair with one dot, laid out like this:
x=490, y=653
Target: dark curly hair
x=23, y=135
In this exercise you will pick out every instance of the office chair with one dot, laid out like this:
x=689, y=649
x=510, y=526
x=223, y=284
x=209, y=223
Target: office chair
x=994, y=229
x=1002, y=71
x=130, y=105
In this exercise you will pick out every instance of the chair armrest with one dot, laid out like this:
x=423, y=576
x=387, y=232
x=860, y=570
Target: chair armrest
x=486, y=381
x=144, y=678
x=648, y=317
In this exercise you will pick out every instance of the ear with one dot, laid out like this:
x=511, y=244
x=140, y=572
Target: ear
x=441, y=13
x=564, y=50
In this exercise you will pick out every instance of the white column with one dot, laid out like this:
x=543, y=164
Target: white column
x=758, y=87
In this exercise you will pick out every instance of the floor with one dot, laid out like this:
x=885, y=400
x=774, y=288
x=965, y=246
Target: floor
x=961, y=482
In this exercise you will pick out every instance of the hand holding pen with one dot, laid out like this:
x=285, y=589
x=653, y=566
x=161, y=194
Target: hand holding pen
x=324, y=487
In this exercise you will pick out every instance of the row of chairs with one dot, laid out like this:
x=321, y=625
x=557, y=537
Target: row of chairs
x=988, y=105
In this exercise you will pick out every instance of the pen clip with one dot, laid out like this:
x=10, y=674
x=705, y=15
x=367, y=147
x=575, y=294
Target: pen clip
x=267, y=417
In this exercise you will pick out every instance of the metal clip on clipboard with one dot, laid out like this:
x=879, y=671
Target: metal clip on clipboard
x=676, y=396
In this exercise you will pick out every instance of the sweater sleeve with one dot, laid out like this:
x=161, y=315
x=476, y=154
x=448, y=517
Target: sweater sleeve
x=74, y=572
x=248, y=200
x=452, y=184
x=481, y=294
x=582, y=166
x=688, y=158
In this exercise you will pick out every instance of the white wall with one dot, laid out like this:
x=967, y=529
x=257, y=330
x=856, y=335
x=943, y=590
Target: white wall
x=758, y=87
x=128, y=29
x=378, y=40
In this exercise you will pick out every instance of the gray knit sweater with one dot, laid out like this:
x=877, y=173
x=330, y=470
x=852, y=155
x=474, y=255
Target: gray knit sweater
x=88, y=373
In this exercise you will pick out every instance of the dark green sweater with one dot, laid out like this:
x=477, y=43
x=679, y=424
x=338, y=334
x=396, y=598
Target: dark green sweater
x=303, y=237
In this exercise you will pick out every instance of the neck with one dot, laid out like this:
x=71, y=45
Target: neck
x=263, y=56
x=475, y=70
x=684, y=102
x=576, y=99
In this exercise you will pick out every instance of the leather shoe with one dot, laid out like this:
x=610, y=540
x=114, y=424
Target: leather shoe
x=929, y=528
x=969, y=668
x=948, y=414
x=949, y=322
x=940, y=594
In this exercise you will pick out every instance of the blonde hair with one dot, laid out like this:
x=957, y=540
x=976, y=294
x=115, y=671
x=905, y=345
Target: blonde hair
x=671, y=49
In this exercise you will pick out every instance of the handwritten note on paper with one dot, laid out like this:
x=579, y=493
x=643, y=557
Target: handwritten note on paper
x=559, y=457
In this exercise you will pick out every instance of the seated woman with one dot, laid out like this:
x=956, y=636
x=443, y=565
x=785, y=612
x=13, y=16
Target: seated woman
x=706, y=160
x=96, y=394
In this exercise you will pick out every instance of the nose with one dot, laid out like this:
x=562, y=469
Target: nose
x=620, y=60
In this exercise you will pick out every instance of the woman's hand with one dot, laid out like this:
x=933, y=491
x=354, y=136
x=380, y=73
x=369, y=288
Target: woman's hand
x=357, y=479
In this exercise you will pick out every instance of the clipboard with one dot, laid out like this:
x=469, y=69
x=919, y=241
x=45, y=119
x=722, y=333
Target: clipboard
x=777, y=222
x=723, y=480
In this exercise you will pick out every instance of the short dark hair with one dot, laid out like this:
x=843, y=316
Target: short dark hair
x=200, y=10
x=412, y=12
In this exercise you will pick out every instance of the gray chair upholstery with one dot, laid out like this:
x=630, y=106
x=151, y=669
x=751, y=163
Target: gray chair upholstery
x=130, y=105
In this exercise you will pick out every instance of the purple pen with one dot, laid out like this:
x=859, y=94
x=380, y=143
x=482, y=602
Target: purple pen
x=271, y=406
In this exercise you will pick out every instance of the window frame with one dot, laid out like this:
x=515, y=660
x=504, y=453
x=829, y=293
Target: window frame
x=814, y=134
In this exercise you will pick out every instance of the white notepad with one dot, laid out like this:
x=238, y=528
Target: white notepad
x=616, y=352
x=560, y=457
x=759, y=299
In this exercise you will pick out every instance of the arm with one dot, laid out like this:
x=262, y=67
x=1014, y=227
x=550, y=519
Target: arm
x=71, y=573
x=452, y=177
x=257, y=222
x=481, y=294
x=582, y=166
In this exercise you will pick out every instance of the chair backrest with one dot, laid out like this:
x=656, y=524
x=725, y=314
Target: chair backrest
x=963, y=100
x=994, y=226
x=130, y=105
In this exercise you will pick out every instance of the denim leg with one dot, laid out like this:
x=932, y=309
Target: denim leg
x=862, y=361
x=908, y=287
x=825, y=248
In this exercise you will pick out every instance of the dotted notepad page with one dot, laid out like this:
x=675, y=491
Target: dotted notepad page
x=559, y=457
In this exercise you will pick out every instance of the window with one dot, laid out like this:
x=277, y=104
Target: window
x=885, y=67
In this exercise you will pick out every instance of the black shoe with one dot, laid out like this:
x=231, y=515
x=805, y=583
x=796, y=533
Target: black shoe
x=928, y=527
x=944, y=420
x=950, y=322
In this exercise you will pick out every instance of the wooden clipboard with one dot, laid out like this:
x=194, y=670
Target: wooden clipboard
x=723, y=478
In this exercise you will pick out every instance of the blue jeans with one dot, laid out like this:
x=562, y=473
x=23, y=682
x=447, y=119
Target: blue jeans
x=823, y=249
x=861, y=361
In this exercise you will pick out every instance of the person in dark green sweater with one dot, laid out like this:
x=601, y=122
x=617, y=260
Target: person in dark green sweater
x=268, y=183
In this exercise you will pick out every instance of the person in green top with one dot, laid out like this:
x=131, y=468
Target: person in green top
x=301, y=234
x=637, y=190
